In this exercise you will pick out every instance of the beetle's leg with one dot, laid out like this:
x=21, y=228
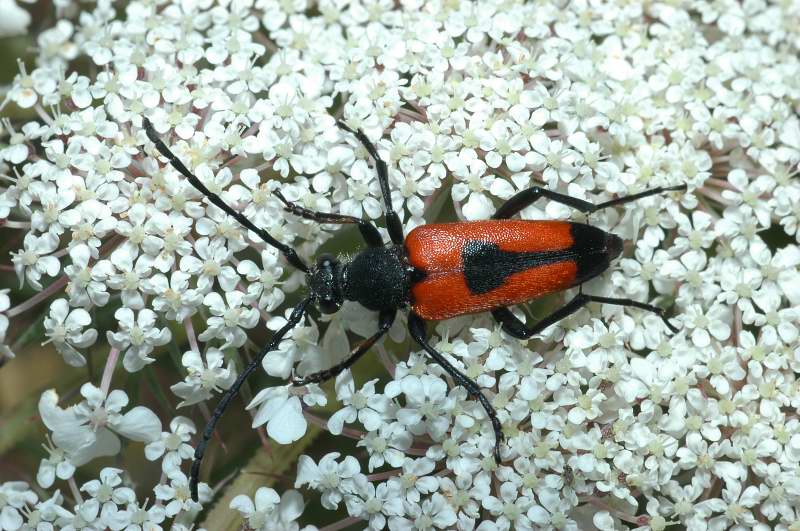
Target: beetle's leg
x=416, y=326
x=516, y=328
x=368, y=231
x=384, y=324
x=231, y=393
x=288, y=252
x=527, y=197
x=511, y=324
x=634, y=304
x=635, y=197
x=393, y=224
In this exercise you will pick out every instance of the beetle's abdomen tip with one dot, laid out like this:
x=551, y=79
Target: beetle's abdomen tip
x=613, y=246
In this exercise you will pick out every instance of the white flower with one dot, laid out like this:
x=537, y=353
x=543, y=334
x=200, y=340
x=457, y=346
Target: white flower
x=432, y=513
x=721, y=369
x=387, y=444
x=173, y=297
x=551, y=510
x=703, y=325
x=331, y=478
x=65, y=328
x=264, y=280
x=211, y=263
x=33, y=261
x=468, y=103
x=173, y=445
x=47, y=513
x=16, y=151
x=510, y=507
x=281, y=412
x=166, y=237
x=369, y=407
x=267, y=511
x=137, y=338
x=142, y=519
x=373, y=503
x=694, y=234
x=56, y=464
x=415, y=480
x=87, y=285
x=734, y=507
x=203, y=378
x=14, y=496
x=89, y=429
x=475, y=184
x=15, y=19
x=176, y=497
x=425, y=396
x=229, y=319
x=302, y=346
x=107, y=489
x=25, y=87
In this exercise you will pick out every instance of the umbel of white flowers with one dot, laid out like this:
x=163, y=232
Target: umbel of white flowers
x=609, y=422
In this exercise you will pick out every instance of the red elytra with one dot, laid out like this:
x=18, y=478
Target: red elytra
x=528, y=258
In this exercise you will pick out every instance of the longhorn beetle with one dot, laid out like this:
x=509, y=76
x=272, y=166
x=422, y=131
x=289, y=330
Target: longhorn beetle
x=438, y=271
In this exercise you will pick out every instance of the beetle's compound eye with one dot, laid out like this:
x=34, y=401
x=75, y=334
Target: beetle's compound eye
x=329, y=305
x=325, y=284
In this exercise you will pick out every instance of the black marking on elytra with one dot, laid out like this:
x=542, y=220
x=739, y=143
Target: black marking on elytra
x=487, y=267
x=591, y=250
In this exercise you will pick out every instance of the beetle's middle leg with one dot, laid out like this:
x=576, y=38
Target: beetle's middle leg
x=516, y=328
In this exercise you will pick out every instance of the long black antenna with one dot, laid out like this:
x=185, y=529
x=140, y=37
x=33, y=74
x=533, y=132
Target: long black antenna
x=231, y=393
x=294, y=318
x=287, y=251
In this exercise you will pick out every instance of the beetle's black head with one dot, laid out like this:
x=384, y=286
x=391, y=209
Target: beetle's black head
x=324, y=281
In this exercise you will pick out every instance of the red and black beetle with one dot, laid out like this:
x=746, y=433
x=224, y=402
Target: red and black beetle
x=439, y=271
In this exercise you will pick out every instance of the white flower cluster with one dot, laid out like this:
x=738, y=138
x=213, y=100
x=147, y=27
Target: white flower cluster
x=609, y=420
x=104, y=503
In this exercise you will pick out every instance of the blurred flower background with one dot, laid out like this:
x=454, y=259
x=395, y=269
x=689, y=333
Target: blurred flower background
x=129, y=304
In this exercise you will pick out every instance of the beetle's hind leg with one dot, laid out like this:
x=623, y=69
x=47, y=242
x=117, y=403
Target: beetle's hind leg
x=527, y=197
x=416, y=326
x=516, y=328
